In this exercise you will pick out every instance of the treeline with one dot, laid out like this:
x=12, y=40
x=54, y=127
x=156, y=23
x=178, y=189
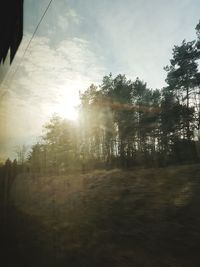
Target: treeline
x=8, y=172
x=123, y=123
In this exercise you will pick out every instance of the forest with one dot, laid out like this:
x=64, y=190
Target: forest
x=123, y=123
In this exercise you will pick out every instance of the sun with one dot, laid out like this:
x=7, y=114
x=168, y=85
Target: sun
x=69, y=112
x=67, y=105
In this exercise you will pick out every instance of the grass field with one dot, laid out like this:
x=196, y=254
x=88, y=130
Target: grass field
x=139, y=218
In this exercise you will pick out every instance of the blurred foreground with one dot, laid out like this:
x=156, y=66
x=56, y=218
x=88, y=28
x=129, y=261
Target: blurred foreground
x=143, y=217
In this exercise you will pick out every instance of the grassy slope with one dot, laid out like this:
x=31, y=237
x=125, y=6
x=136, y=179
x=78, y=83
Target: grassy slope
x=110, y=218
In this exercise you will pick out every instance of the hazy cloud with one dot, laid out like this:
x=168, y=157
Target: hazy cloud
x=47, y=80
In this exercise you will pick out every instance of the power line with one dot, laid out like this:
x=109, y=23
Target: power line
x=33, y=35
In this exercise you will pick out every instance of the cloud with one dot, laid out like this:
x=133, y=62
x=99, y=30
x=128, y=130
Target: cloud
x=62, y=23
x=67, y=19
x=137, y=37
x=45, y=69
x=48, y=79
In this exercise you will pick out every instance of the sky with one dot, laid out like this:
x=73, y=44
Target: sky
x=77, y=43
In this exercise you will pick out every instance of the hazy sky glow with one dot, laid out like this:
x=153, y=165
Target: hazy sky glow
x=79, y=42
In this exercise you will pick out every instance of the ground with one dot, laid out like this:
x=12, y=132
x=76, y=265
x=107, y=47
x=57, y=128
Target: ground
x=141, y=218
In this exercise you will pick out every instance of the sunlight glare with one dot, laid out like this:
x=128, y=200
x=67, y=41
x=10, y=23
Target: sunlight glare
x=68, y=111
x=66, y=106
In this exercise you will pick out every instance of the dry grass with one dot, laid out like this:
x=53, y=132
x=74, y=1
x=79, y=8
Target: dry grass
x=146, y=217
